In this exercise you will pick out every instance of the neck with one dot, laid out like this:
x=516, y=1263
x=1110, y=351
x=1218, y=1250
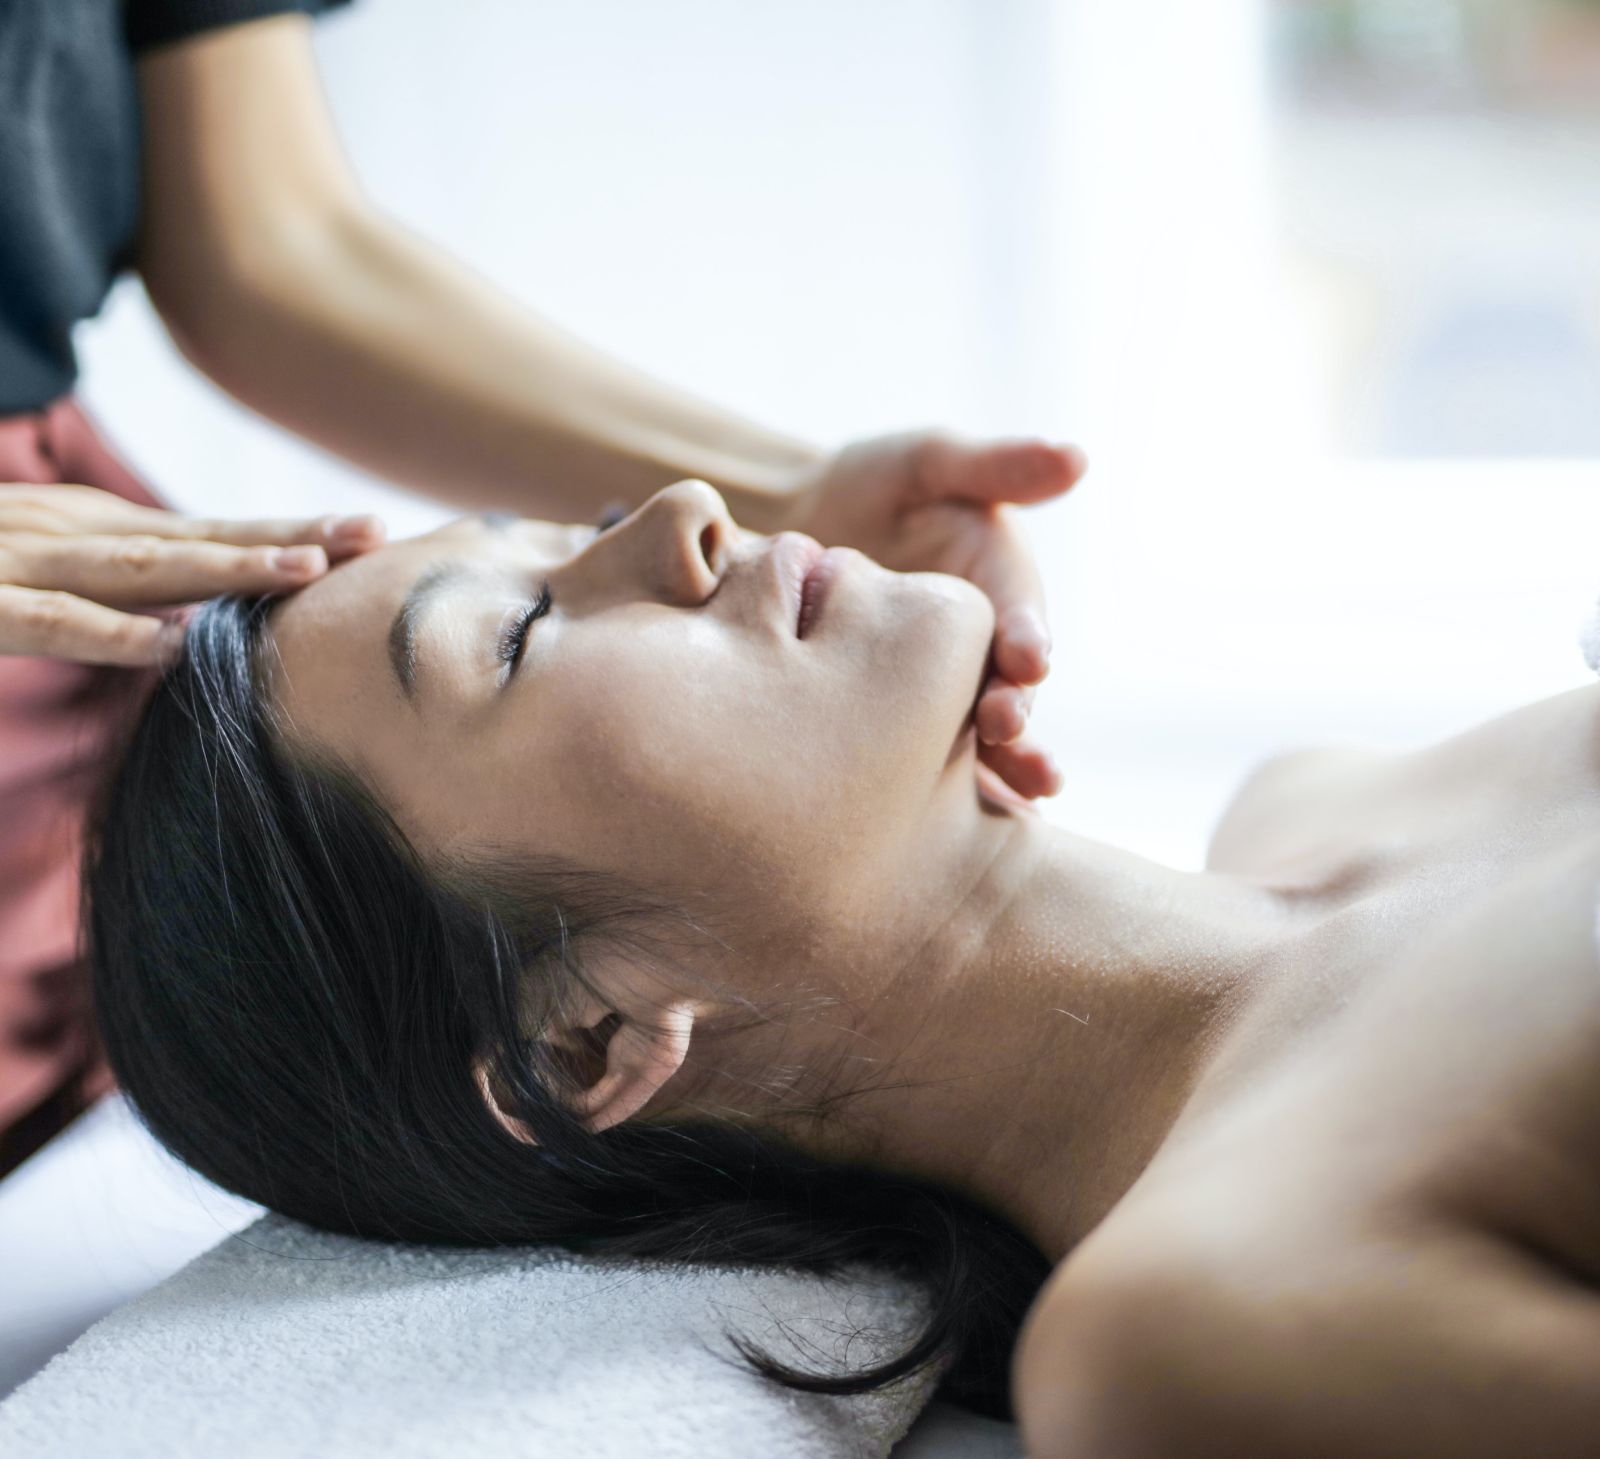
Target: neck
x=1044, y=1012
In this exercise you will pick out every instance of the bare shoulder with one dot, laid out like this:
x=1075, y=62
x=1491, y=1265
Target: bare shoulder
x=1423, y=1343
x=1286, y=801
x=1314, y=806
x=1392, y=1249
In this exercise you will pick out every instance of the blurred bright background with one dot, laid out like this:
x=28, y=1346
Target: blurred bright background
x=1315, y=282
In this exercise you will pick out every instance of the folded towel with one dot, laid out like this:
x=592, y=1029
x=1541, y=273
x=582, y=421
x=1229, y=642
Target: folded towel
x=284, y=1340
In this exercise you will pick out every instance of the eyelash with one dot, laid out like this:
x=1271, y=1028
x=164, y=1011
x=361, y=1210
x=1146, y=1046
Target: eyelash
x=514, y=636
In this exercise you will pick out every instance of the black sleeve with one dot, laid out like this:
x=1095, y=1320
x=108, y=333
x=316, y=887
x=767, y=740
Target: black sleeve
x=156, y=22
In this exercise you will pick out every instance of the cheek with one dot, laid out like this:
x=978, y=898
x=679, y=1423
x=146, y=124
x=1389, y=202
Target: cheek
x=670, y=755
x=642, y=728
x=666, y=755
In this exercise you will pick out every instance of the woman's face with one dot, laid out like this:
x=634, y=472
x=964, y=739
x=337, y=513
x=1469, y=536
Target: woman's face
x=663, y=720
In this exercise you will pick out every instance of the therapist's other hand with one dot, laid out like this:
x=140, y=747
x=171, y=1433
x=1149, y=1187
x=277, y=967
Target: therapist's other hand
x=933, y=501
x=73, y=557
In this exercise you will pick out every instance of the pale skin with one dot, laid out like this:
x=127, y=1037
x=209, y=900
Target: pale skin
x=1309, y=1134
x=290, y=288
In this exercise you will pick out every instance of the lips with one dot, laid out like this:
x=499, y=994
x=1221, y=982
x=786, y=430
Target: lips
x=793, y=555
x=803, y=570
x=814, y=590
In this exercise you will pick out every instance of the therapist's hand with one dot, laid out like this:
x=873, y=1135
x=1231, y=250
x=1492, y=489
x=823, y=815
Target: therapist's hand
x=72, y=558
x=932, y=501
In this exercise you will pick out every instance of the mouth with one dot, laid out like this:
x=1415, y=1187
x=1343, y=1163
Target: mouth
x=794, y=555
x=805, y=570
x=814, y=588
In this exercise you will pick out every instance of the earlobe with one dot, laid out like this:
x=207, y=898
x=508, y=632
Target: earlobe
x=513, y=1126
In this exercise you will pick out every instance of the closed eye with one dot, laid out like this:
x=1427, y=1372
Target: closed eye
x=514, y=629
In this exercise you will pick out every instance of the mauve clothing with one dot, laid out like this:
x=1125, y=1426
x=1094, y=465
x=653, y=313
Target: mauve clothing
x=69, y=211
x=57, y=723
x=69, y=165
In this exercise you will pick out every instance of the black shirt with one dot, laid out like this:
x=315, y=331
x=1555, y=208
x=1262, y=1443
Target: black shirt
x=69, y=165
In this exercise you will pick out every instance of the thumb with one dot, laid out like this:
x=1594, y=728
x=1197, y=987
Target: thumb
x=1024, y=471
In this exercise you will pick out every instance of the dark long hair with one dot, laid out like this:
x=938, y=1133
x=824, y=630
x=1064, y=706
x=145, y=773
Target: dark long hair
x=292, y=1001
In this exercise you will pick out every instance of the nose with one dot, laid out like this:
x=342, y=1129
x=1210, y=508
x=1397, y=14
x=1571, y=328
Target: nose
x=675, y=546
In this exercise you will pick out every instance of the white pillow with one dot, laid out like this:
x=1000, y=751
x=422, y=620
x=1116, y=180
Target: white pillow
x=286, y=1340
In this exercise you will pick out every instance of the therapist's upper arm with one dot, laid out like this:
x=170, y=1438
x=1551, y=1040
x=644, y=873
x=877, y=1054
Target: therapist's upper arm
x=1457, y=1345
x=244, y=176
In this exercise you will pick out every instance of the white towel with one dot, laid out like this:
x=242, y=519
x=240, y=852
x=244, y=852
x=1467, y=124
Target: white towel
x=288, y=1341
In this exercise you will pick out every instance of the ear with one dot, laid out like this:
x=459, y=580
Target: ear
x=622, y=1072
x=636, y=1062
x=512, y=1125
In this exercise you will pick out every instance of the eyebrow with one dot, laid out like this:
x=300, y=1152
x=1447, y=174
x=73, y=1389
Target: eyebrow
x=430, y=583
x=403, y=630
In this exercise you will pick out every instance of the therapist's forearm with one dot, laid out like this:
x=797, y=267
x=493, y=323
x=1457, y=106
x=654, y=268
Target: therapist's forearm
x=367, y=340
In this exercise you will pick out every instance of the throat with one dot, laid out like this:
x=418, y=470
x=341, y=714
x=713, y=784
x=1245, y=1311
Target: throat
x=1042, y=1074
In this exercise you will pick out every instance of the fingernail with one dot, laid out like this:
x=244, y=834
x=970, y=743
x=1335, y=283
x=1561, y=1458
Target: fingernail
x=299, y=559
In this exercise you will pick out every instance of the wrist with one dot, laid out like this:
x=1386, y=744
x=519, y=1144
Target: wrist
x=769, y=490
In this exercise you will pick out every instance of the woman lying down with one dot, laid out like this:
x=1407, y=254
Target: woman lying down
x=632, y=888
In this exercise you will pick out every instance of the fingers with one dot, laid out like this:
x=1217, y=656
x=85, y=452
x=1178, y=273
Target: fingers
x=1006, y=571
x=1000, y=717
x=1022, y=470
x=1002, y=710
x=81, y=509
x=71, y=555
x=337, y=536
x=1022, y=644
x=142, y=568
x=995, y=473
x=60, y=625
x=994, y=788
x=1028, y=768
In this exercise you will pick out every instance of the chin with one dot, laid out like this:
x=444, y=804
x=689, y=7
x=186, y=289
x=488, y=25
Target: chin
x=952, y=619
x=923, y=654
